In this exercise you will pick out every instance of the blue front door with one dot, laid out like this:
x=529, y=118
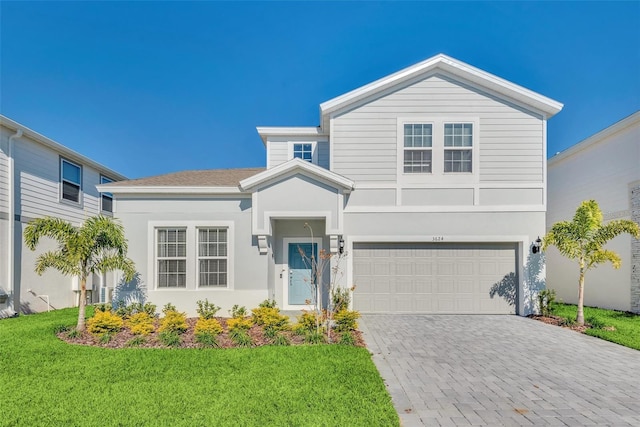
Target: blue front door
x=300, y=289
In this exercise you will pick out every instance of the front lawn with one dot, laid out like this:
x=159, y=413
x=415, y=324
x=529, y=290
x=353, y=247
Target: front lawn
x=616, y=326
x=48, y=382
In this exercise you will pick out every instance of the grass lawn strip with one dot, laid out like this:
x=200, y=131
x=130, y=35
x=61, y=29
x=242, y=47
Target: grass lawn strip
x=48, y=382
x=616, y=326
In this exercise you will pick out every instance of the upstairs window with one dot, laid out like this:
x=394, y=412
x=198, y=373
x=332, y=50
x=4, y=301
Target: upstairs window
x=172, y=257
x=71, y=180
x=458, y=143
x=418, y=148
x=303, y=151
x=106, y=202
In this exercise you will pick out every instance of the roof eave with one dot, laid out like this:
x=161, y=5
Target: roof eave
x=161, y=189
x=266, y=131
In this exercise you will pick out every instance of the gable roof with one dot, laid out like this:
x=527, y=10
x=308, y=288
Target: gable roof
x=451, y=66
x=298, y=166
x=194, y=181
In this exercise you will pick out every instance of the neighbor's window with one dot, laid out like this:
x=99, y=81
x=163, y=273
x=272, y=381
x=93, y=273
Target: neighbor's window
x=172, y=257
x=106, y=198
x=417, y=148
x=212, y=257
x=303, y=151
x=71, y=180
x=458, y=143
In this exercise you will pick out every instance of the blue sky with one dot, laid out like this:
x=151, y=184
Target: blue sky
x=147, y=88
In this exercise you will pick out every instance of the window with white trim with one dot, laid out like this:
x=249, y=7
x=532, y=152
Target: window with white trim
x=106, y=199
x=303, y=151
x=458, y=143
x=171, y=257
x=70, y=180
x=418, y=147
x=212, y=257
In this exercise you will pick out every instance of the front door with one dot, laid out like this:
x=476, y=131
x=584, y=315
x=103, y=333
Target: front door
x=300, y=289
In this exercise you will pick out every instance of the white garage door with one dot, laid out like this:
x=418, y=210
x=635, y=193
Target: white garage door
x=435, y=278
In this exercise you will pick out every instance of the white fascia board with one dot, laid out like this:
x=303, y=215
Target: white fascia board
x=265, y=132
x=146, y=189
x=61, y=149
x=297, y=165
x=594, y=139
x=457, y=68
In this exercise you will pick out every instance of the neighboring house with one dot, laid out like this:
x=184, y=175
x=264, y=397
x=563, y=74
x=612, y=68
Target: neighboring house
x=433, y=180
x=604, y=167
x=39, y=177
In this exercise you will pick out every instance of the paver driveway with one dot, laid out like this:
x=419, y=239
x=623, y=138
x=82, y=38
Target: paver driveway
x=502, y=370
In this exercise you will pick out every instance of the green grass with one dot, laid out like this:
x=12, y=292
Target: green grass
x=627, y=325
x=45, y=382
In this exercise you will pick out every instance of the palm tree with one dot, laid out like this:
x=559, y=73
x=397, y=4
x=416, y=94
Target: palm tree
x=583, y=239
x=97, y=246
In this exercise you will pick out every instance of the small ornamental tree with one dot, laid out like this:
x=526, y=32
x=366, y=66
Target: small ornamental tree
x=97, y=246
x=583, y=239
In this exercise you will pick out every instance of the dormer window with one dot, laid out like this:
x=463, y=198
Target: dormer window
x=458, y=143
x=303, y=151
x=417, y=147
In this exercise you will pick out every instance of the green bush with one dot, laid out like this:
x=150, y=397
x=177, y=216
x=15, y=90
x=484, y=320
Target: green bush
x=169, y=338
x=346, y=338
x=341, y=298
x=173, y=321
x=207, y=339
x=105, y=338
x=308, y=321
x=206, y=309
x=281, y=340
x=208, y=326
x=140, y=323
x=241, y=338
x=102, y=307
x=268, y=303
x=238, y=311
x=169, y=307
x=546, y=300
x=126, y=311
x=103, y=322
x=136, y=341
x=345, y=320
x=58, y=329
x=314, y=337
x=74, y=333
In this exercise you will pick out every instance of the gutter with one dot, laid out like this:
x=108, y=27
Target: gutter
x=15, y=296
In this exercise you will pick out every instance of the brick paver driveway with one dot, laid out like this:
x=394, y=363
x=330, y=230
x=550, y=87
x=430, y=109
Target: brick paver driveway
x=502, y=370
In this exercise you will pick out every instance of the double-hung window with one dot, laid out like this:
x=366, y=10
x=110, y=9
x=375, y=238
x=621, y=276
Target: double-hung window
x=106, y=202
x=458, y=147
x=212, y=257
x=71, y=180
x=303, y=151
x=172, y=257
x=418, y=147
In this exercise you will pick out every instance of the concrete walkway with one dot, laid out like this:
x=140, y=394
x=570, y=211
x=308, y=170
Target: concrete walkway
x=501, y=370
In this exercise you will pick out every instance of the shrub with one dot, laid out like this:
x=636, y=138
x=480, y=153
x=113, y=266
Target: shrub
x=206, y=309
x=314, y=337
x=105, y=338
x=346, y=338
x=281, y=340
x=74, y=333
x=126, y=311
x=103, y=322
x=206, y=339
x=58, y=329
x=173, y=321
x=546, y=299
x=169, y=307
x=241, y=338
x=238, y=311
x=208, y=326
x=102, y=307
x=268, y=303
x=345, y=320
x=270, y=318
x=239, y=323
x=341, y=298
x=169, y=338
x=308, y=321
x=136, y=342
x=140, y=323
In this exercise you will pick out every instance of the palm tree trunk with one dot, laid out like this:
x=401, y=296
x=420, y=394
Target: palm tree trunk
x=82, y=304
x=580, y=317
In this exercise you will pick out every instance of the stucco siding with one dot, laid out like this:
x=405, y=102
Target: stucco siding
x=364, y=140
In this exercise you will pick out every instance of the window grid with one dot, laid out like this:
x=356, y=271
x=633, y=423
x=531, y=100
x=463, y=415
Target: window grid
x=458, y=138
x=71, y=180
x=212, y=257
x=418, y=139
x=106, y=198
x=303, y=151
x=172, y=257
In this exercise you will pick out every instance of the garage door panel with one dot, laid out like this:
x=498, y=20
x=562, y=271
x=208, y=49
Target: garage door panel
x=435, y=278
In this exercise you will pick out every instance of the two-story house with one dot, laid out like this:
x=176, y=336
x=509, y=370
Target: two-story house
x=431, y=182
x=40, y=177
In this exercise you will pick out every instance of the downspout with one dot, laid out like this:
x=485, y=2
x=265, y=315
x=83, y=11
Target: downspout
x=12, y=225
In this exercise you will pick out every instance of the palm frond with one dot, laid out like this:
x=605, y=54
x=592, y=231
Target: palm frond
x=58, y=229
x=58, y=261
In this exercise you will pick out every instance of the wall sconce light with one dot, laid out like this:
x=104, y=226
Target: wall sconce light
x=535, y=248
x=341, y=245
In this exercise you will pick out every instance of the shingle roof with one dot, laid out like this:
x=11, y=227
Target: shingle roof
x=197, y=178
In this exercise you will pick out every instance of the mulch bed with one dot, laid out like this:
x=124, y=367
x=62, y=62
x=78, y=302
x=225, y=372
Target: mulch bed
x=187, y=339
x=559, y=321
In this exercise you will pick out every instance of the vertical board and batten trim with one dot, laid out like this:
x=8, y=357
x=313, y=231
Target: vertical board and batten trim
x=544, y=163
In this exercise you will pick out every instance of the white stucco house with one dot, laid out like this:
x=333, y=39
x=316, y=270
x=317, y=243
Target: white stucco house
x=40, y=177
x=604, y=167
x=432, y=181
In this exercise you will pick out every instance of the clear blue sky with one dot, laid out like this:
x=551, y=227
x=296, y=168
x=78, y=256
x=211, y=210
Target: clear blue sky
x=153, y=87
